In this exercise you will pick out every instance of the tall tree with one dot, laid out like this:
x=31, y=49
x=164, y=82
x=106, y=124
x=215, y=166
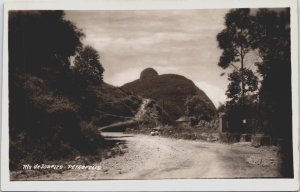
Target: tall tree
x=235, y=41
x=271, y=36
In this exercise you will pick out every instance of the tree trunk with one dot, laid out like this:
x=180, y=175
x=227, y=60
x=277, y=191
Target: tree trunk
x=242, y=76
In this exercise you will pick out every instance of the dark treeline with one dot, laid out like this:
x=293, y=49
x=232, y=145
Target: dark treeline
x=51, y=102
x=264, y=93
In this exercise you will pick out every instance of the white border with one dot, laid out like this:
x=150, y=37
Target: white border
x=151, y=185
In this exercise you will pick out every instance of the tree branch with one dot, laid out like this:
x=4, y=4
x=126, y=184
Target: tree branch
x=234, y=66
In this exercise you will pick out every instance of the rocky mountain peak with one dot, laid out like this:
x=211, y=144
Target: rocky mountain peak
x=148, y=73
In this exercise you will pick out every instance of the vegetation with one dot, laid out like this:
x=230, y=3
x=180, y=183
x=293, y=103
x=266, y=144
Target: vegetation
x=114, y=105
x=273, y=41
x=88, y=66
x=272, y=32
x=207, y=131
x=267, y=34
x=197, y=108
x=55, y=107
x=235, y=41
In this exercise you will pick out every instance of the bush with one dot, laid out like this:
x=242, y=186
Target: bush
x=92, y=137
x=48, y=127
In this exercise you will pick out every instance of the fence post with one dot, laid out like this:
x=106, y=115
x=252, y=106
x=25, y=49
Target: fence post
x=223, y=124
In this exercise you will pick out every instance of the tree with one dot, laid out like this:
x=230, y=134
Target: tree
x=236, y=78
x=235, y=41
x=88, y=66
x=272, y=39
x=271, y=36
x=40, y=45
x=195, y=106
x=88, y=76
x=268, y=33
x=47, y=41
x=236, y=112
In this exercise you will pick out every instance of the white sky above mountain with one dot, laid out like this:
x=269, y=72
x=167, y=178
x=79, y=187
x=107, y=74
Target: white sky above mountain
x=170, y=41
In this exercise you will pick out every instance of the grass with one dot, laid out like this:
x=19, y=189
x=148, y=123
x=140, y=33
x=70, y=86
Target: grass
x=181, y=132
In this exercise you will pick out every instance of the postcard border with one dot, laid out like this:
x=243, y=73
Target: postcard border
x=151, y=185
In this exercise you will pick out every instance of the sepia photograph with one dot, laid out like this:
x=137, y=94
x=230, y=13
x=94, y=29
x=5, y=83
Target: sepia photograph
x=150, y=94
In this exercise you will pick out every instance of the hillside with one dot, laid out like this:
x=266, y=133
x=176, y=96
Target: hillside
x=114, y=104
x=169, y=90
x=50, y=125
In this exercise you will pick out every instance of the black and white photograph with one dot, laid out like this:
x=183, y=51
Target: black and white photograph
x=151, y=94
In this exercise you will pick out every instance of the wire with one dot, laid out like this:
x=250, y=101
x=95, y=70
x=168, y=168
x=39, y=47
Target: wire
x=114, y=115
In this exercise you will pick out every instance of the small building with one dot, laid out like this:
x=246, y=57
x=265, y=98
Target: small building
x=183, y=121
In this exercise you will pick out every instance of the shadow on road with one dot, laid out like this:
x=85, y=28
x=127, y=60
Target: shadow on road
x=117, y=136
x=111, y=142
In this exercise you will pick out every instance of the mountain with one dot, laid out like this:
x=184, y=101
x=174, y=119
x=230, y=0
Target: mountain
x=169, y=90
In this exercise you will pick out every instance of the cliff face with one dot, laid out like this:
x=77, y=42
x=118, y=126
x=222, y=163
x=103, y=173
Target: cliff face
x=170, y=91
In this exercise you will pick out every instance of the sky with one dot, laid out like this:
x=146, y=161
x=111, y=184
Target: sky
x=170, y=41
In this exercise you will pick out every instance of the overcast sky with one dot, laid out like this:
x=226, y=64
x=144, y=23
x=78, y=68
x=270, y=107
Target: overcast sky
x=170, y=41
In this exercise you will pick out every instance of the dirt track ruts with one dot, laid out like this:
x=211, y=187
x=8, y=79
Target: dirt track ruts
x=154, y=157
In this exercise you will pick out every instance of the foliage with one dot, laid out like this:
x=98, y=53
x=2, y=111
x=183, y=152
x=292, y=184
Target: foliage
x=88, y=66
x=272, y=34
x=234, y=91
x=221, y=108
x=196, y=107
x=242, y=110
x=42, y=98
x=266, y=32
x=269, y=35
x=235, y=41
x=45, y=111
x=86, y=77
x=207, y=131
x=47, y=39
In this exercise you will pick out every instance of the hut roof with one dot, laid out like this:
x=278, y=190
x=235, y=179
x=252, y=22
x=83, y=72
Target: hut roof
x=183, y=119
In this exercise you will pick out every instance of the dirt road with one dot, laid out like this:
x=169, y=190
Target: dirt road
x=153, y=157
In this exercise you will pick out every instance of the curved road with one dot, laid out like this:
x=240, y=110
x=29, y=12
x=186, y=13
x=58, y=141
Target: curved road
x=133, y=122
x=153, y=157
